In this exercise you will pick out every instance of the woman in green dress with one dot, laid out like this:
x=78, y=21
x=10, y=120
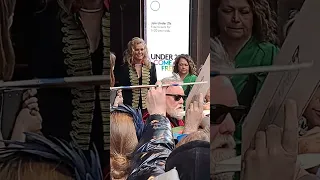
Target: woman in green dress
x=246, y=29
x=185, y=67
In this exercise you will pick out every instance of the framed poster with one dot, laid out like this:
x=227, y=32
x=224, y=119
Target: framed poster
x=166, y=32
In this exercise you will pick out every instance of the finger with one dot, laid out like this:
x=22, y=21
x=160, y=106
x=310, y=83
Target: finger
x=248, y=162
x=273, y=138
x=195, y=106
x=290, y=132
x=35, y=113
x=33, y=106
x=191, y=108
x=260, y=143
x=159, y=85
x=31, y=100
x=200, y=99
x=25, y=95
x=32, y=92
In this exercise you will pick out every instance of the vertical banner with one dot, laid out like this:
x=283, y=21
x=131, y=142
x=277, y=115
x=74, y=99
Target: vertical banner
x=167, y=26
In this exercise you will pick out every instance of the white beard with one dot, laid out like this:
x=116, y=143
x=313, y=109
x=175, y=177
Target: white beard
x=219, y=153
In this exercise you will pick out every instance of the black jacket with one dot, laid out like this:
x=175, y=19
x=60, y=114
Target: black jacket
x=154, y=148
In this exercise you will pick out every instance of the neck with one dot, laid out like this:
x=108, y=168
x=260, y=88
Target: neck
x=233, y=46
x=182, y=76
x=92, y=4
x=136, y=61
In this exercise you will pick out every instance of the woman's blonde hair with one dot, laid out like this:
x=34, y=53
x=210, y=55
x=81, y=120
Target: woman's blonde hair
x=27, y=168
x=129, y=52
x=112, y=64
x=123, y=141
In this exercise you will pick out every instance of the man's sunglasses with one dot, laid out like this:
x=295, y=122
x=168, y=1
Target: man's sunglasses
x=177, y=97
x=218, y=113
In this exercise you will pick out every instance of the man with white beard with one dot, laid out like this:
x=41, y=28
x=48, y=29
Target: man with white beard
x=225, y=112
x=175, y=98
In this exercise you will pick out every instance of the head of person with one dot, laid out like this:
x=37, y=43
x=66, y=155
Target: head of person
x=241, y=19
x=137, y=52
x=123, y=141
x=191, y=158
x=30, y=167
x=112, y=65
x=200, y=135
x=183, y=64
x=174, y=96
x=222, y=125
x=312, y=112
x=50, y=160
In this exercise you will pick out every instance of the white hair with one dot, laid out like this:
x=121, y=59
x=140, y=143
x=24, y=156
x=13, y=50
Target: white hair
x=174, y=78
x=219, y=58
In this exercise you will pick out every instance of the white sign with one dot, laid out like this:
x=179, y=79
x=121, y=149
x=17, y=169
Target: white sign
x=298, y=85
x=166, y=25
x=204, y=75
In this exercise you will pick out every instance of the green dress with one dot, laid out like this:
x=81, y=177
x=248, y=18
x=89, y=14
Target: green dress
x=188, y=79
x=254, y=53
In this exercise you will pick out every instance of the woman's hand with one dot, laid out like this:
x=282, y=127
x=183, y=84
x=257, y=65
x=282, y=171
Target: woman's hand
x=119, y=99
x=29, y=118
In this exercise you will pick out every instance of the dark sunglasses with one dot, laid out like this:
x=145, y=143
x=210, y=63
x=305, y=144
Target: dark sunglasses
x=177, y=97
x=218, y=113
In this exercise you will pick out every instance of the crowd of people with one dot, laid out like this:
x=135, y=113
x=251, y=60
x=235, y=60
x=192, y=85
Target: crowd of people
x=87, y=133
x=244, y=35
x=144, y=142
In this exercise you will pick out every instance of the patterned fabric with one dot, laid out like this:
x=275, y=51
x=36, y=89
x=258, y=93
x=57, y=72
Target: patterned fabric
x=7, y=56
x=78, y=63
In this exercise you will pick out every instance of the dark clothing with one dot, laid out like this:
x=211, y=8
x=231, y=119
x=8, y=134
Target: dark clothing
x=123, y=78
x=192, y=160
x=60, y=49
x=153, y=149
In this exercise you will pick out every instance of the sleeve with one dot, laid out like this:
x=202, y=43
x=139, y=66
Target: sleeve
x=153, y=74
x=153, y=149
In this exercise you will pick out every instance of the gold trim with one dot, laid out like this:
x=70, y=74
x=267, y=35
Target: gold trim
x=134, y=80
x=104, y=93
x=78, y=63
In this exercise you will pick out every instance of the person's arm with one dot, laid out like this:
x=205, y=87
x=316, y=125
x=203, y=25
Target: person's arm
x=157, y=141
x=153, y=149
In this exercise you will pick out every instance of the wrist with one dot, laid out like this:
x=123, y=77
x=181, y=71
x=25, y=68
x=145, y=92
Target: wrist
x=161, y=113
x=189, y=130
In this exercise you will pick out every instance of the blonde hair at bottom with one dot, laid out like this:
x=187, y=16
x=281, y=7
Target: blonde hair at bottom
x=30, y=169
x=123, y=141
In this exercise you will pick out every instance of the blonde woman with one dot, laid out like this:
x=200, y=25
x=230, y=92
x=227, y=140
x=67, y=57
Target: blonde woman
x=137, y=70
x=126, y=130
